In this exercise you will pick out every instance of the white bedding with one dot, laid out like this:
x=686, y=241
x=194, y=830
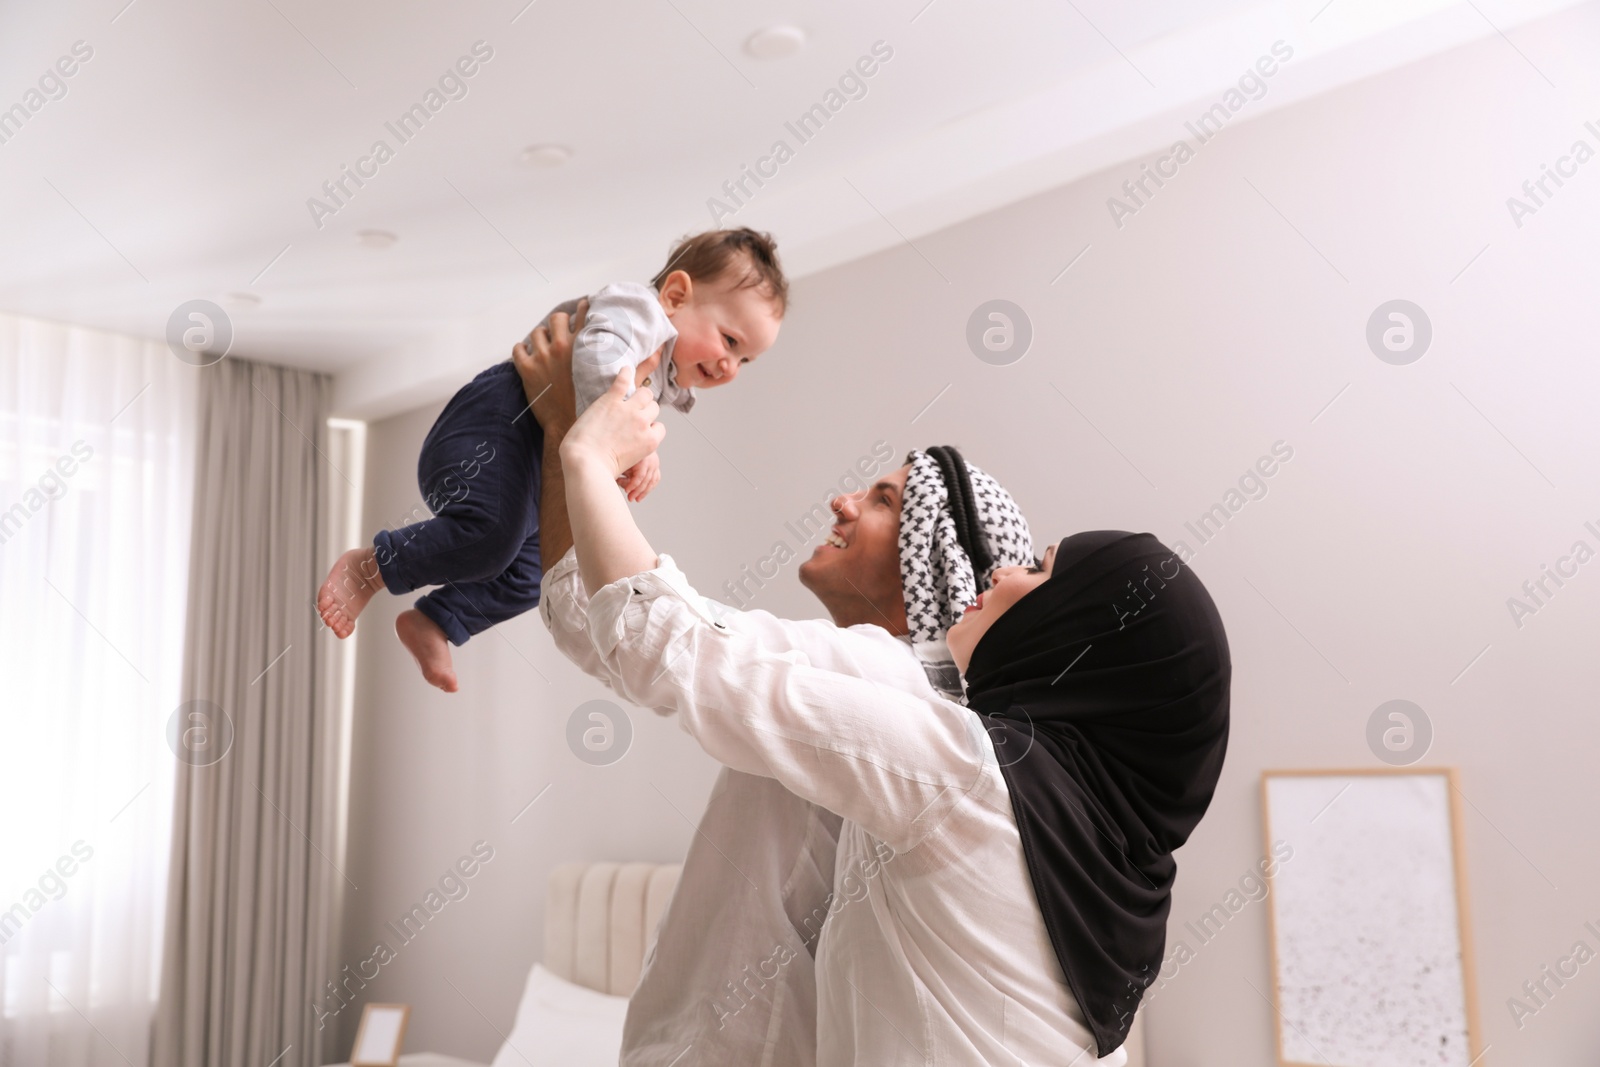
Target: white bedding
x=560, y=1024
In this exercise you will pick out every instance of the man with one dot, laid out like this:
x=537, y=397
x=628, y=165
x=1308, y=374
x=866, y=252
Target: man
x=731, y=977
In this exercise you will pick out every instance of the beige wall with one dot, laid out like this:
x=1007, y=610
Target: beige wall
x=1175, y=352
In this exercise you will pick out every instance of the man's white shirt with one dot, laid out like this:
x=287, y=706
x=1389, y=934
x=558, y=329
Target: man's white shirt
x=933, y=950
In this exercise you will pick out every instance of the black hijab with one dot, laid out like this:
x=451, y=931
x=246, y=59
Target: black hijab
x=1105, y=690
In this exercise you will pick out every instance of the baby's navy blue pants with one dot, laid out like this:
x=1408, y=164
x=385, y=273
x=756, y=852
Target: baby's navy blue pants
x=479, y=475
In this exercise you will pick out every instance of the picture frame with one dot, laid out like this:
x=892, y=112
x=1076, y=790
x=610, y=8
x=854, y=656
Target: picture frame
x=1369, y=960
x=381, y=1035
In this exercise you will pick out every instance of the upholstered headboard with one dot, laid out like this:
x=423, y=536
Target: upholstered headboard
x=600, y=919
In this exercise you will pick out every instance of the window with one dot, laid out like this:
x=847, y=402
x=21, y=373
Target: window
x=96, y=471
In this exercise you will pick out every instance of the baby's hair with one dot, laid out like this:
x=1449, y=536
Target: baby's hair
x=705, y=256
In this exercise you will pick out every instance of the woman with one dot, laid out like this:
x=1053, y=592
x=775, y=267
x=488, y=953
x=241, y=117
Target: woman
x=967, y=887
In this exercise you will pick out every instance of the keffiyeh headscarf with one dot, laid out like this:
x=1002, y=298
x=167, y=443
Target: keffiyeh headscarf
x=957, y=524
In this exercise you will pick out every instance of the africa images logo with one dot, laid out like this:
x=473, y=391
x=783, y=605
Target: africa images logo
x=199, y=332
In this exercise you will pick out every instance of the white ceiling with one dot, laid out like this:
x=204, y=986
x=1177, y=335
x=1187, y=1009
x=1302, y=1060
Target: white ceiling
x=179, y=163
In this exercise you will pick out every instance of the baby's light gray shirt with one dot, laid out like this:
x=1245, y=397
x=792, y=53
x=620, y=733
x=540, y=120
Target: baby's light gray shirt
x=624, y=326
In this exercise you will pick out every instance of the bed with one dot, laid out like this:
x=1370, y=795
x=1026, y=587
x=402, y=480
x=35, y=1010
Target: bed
x=598, y=923
x=599, y=919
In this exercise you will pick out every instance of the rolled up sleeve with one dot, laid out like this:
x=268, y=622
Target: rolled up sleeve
x=564, y=606
x=893, y=762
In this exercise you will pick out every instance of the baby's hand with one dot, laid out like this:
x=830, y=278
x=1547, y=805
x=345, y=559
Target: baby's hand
x=643, y=476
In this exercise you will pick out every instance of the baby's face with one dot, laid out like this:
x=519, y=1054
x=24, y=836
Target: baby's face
x=720, y=329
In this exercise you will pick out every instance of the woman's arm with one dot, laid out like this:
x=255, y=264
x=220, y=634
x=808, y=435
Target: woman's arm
x=545, y=365
x=896, y=760
x=893, y=761
x=607, y=439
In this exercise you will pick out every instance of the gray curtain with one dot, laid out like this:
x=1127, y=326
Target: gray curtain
x=251, y=898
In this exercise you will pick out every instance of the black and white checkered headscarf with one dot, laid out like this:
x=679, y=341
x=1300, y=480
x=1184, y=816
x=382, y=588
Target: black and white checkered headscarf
x=957, y=524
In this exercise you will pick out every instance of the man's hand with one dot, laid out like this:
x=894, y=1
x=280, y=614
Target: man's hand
x=546, y=372
x=544, y=363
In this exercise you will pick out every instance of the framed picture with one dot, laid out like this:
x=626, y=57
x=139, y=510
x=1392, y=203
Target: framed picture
x=1371, y=953
x=380, y=1036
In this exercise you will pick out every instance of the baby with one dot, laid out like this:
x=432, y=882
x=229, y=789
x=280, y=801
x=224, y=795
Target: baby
x=714, y=307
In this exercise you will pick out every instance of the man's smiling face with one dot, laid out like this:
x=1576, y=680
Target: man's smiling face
x=855, y=571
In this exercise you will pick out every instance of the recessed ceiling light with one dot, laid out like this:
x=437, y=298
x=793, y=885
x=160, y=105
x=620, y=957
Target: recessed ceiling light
x=376, y=238
x=775, y=42
x=241, y=301
x=545, y=155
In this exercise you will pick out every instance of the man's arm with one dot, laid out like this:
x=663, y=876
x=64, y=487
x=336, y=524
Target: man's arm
x=555, y=531
x=546, y=372
x=544, y=364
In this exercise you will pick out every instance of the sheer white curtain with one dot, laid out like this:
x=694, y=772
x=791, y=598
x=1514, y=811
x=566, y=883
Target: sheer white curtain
x=96, y=475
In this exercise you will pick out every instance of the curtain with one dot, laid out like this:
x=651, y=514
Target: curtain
x=96, y=469
x=255, y=836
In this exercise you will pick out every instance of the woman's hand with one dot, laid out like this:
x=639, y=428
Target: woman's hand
x=608, y=438
x=544, y=363
x=614, y=433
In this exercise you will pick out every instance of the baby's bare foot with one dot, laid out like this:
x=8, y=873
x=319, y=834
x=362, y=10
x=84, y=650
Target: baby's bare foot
x=428, y=646
x=349, y=585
